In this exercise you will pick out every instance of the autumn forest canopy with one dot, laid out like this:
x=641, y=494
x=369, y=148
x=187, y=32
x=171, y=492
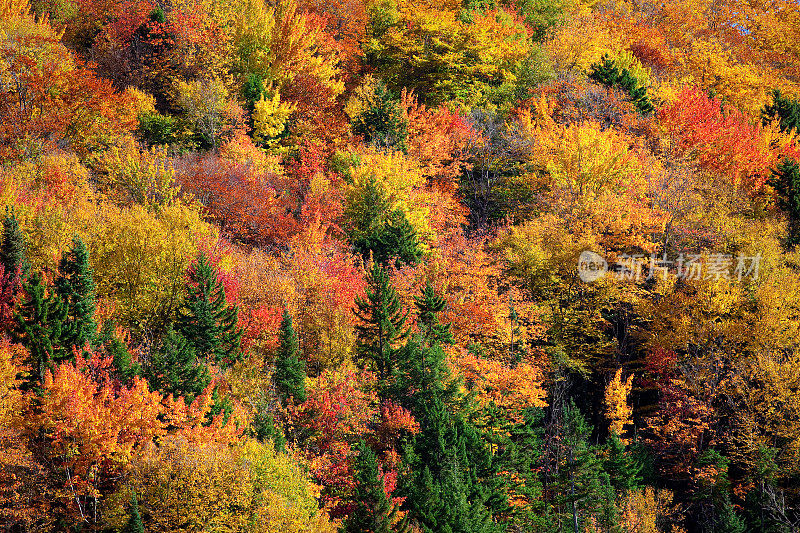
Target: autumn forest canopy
x=395, y=266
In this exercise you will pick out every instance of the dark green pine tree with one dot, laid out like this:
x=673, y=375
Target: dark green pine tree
x=134, y=524
x=607, y=73
x=382, y=325
x=14, y=268
x=40, y=324
x=429, y=305
x=374, y=511
x=290, y=370
x=75, y=287
x=383, y=124
x=520, y=445
x=785, y=110
x=124, y=363
x=621, y=465
x=206, y=319
x=378, y=231
x=786, y=181
x=12, y=249
x=727, y=519
x=452, y=485
x=583, y=488
x=397, y=239
x=174, y=368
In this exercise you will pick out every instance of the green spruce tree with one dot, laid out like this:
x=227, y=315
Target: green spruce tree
x=374, y=512
x=12, y=249
x=582, y=489
x=383, y=124
x=75, y=286
x=786, y=181
x=621, y=465
x=429, y=305
x=290, y=370
x=382, y=324
x=206, y=319
x=174, y=368
x=134, y=524
x=607, y=73
x=783, y=109
x=40, y=325
x=453, y=484
x=378, y=231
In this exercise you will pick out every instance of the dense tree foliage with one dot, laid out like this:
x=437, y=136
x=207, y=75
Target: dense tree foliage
x=393, y=266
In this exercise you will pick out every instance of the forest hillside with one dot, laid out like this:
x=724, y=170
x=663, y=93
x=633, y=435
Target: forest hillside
x=400, y=266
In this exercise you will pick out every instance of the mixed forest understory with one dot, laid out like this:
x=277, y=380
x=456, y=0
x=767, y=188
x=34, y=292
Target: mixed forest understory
x=306, y=266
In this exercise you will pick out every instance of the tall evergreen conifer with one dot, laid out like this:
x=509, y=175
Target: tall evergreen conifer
x=290, y=370
x=206, y=319
x=374, y=511
x=786, y=181
x=134, y=524
x=75, y=286
x=40, y=326
x=174, y=368
x=12, y=249
x=382, y=325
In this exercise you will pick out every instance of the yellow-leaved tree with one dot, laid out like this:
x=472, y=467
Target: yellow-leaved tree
x=618, y=409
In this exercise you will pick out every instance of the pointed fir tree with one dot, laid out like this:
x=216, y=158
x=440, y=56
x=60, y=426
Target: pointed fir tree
x=383, y=123
x=134, y=524
x=206, y=319
x=40, y=325
x=520, y=444
x=582, y=486
x=786, y=181
x=607, y=73
x=382, y=323
x=378, y=231
x=453, y=482
x=621, y=465
x=75, y=286
x=13, y=267
x=174, y=368
x=785, y=110
x=123, y=362
x=374, y=512
x=429, y=305
x=727, y=519
x=290, y=370
x=12, y=249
